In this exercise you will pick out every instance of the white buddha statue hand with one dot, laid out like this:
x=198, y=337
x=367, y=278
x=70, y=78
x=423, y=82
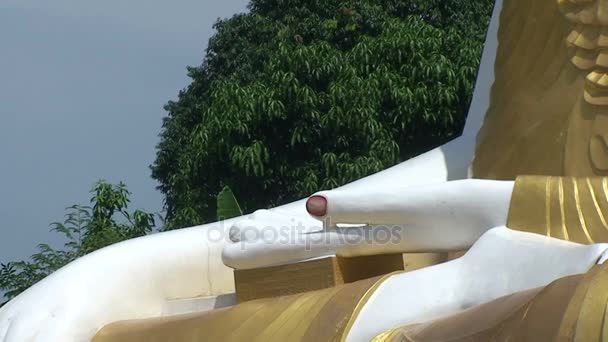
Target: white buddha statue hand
x=445, y=216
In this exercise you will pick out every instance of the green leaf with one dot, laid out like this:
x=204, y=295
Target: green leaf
x=227, y=205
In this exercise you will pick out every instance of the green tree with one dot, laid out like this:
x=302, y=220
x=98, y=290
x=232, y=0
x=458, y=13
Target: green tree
x=86, y=228
x=301, y=95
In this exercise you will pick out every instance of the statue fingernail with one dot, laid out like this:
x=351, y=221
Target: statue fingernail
x=317, y=206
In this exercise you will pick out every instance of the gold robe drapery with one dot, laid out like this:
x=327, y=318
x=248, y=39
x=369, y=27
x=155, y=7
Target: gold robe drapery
x=323, y=315
x=548, y=113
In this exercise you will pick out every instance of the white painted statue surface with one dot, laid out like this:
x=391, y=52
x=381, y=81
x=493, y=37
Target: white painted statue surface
x=428, y=203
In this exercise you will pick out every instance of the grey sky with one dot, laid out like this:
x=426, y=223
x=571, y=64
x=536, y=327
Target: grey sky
x=82, y=85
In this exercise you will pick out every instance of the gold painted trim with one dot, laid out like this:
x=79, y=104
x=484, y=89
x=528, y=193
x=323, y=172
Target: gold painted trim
x=388, y=335
x=562, y=208
x=596, y=204
x=568, y=326
x=548, y=204
x=574, y=211
x=366, y=296
x=579, y=211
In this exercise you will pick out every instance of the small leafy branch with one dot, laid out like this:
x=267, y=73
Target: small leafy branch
x=86, y=228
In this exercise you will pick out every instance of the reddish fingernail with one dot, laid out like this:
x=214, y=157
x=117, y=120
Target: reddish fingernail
x=317, y=206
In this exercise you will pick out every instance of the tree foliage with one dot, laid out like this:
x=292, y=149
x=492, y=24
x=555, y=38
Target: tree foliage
x=301, y=95
x=86, y=228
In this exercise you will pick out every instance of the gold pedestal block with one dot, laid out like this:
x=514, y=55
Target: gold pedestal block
x=311, y=275
x=416, y=261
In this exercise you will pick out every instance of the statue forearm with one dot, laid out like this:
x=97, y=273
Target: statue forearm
x=132, y=279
